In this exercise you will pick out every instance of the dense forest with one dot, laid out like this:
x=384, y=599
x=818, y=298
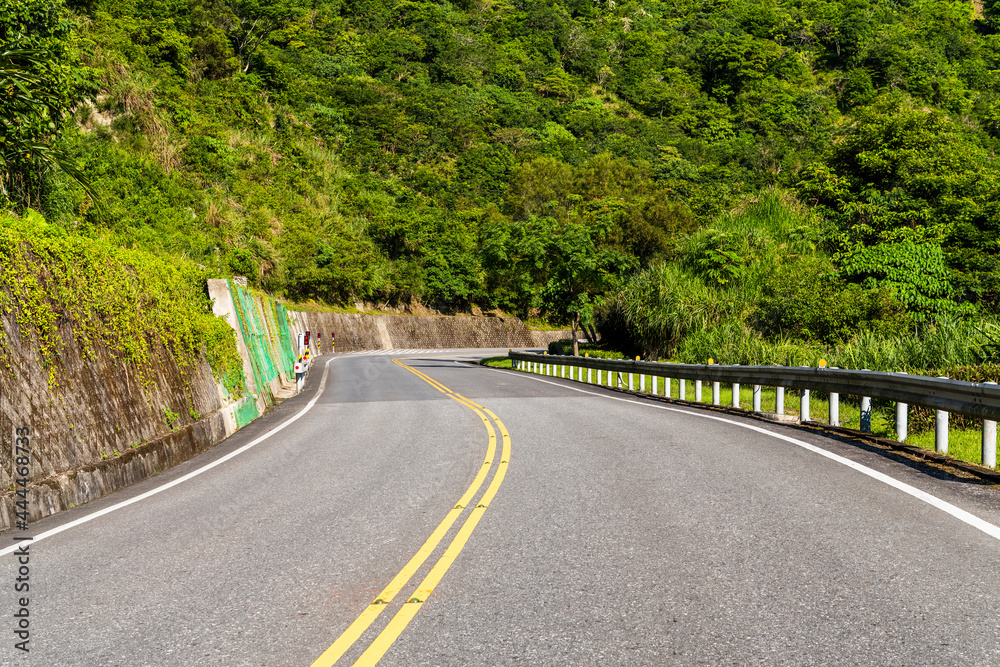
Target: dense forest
x=768, y=181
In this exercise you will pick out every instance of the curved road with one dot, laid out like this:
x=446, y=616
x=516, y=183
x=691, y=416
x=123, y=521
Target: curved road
x=625, y=531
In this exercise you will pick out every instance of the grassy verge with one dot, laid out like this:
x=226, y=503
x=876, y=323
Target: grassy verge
x=497, y=362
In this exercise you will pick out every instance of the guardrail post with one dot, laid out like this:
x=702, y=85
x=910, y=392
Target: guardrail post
x=866, y=414
x=941, y=429
x=779, y=400
x=666, y=387
x=736, y=394
x=697, y=391
x=803, y=405
x=642, y=382
x=902, y=415
x=652, y=385
x=630, y=376
x=611, y=378
x=715, y=393
x=834, y=409
x=590, y=375
x=756, y=398
x=990, y=441
x=682, y=393
x=902, y=410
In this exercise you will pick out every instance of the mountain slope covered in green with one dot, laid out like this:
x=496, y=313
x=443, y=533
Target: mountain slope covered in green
x=799, y=171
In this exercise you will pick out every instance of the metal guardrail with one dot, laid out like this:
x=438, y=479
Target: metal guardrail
x=942, y=394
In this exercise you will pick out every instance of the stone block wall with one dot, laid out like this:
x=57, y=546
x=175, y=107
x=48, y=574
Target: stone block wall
x=95, y=428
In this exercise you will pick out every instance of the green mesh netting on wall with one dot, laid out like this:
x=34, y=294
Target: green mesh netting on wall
x=287, y=350
x=245, y=411
x=254, y=329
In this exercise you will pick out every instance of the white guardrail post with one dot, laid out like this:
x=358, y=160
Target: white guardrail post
x=715, y=393
x=697, y=391
x=834, y=409
x=902, y=420
x=866, y=414
x=666, y=387
x=756, y=398
x=779, y=400
x=990, y=441
x=736, y=394
x=941, y=429
x=804, y=404
x=682, y=392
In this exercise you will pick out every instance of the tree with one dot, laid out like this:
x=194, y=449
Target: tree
x=40, y=84
x=578, y=270
x=250, y=22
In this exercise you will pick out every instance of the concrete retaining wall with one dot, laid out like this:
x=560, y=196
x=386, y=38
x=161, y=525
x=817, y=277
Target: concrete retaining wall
x=356, y=332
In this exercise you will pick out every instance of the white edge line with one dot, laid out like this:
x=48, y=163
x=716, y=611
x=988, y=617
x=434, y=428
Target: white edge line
x=194, y=473
x=943, y=505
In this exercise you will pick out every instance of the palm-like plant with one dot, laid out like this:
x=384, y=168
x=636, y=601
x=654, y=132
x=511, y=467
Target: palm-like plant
x=30, y=120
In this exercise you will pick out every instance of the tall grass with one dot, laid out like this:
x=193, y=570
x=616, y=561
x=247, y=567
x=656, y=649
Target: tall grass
x=705, y=305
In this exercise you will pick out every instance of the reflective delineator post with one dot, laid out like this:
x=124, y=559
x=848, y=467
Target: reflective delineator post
x=779, y=400
x=804, y=405
x=989, y=441
x=756, y=398
x=866, y=414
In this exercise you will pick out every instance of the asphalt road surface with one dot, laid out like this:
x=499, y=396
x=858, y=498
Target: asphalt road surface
x=394, y=518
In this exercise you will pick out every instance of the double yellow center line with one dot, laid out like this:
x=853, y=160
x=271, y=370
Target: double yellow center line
x=385, y=639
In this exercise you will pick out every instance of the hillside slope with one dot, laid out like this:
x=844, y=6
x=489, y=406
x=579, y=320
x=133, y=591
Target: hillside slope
x=479, y=153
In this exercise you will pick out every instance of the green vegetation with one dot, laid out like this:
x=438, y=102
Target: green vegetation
x=497, y=362
x=135, y=304
x=773, y=181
